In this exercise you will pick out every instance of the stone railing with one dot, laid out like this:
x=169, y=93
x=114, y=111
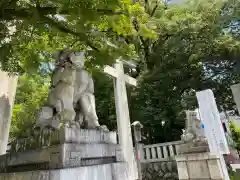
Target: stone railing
x=160, y=152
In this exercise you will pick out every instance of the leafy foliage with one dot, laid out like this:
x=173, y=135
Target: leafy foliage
x=193, y=52
x=179, y=49
x=235, y=134
x=31, y=93
x=105, y=103
x=98, y=27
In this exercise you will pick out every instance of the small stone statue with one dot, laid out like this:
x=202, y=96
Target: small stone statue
x=193, y=134
x=186, y=136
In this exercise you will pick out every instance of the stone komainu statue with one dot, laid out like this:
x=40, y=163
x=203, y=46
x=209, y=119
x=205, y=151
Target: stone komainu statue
x=71, y=98
x=193, y=132
x=193, y=136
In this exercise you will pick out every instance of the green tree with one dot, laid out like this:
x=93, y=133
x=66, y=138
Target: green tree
x=193, y=51
x=235, y=135
x=194, y=47
x=105, y=102
x=41, y=27
x=31, y=93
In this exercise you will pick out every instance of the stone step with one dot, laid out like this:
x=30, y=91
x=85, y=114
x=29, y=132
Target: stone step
x=113, y=171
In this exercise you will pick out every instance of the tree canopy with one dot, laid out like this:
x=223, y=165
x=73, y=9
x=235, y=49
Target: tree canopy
x=32, y=30
x=179, y=49
x=196, y=49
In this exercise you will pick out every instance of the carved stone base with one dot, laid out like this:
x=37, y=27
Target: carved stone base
x=189, y=148
x=77, y=135
x=61, y=156
x=70, y=147
x=46, y=138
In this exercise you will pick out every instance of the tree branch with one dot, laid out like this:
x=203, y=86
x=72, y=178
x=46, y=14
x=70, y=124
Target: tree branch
x=145, y=46
x=146, y=6
x=23, y=13
x=3, y=3
x=12, y=3
x=74, y=42
x=110, y=12
x=162, y=39
x=61, y=27
x=11, y=14
x=154, y=10
x=19, y=13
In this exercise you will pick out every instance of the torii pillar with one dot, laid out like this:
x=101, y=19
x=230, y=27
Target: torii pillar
x=122, y=112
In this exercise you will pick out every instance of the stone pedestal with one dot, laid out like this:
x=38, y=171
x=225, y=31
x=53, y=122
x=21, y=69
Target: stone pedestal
x=73, y=154
x=199, y=166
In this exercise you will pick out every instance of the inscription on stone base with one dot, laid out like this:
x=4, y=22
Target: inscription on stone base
x=46, y=138
x=77, y=135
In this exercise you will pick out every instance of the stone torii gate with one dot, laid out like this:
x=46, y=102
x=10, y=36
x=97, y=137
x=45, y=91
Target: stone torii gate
x=122, y=112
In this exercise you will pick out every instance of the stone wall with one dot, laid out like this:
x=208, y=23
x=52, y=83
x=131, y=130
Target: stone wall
x=165, y=170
